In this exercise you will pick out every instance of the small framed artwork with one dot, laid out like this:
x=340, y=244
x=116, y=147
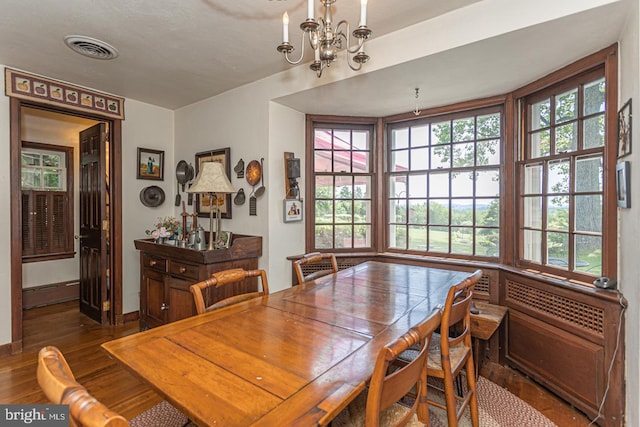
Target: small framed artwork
x=292, y=210
x=624, y=130
x=202, y=203
x=223, y=240
x=150, y=164
x=623, y=185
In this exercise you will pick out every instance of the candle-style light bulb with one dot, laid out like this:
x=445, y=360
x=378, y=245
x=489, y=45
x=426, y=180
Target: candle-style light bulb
x=310, y=9
x=363, y=13
x=285, y=28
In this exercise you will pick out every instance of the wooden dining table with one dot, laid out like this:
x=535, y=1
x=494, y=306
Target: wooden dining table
x=295, y=357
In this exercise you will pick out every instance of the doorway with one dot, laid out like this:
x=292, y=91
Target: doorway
x=49, y=119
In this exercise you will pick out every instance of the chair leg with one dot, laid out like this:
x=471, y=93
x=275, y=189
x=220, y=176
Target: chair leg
x=450, y=400
x=423, y=403
x=471, y=385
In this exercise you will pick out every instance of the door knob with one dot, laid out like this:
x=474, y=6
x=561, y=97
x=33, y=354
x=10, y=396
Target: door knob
x=81, y=236
x=164, y=307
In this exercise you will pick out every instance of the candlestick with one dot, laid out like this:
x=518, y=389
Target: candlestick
x=285, y=28
x=363, y=13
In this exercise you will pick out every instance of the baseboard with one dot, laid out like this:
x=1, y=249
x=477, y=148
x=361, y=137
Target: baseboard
x=5, y=350
x=131, y=317
x=52, y=293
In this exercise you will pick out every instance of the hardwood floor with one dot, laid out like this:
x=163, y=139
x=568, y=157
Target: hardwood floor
x=557, y=410
x=79, y=338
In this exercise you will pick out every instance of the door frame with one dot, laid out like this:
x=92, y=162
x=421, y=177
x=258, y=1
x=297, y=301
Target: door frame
x=115, y=207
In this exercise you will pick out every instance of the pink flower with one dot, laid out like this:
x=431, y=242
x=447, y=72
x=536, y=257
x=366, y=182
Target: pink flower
x=160, y=232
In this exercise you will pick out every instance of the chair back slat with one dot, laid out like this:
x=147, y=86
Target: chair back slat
x=227, y=278
x=389, y=386
x=315, y=258
x=456, y=317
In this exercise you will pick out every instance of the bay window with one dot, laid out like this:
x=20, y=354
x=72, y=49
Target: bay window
x=343, y=174
x=562, y=176
x=444, y=184
x=525, y=179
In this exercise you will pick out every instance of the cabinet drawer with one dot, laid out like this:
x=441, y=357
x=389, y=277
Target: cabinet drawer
x=159, y=264
x=182, y=269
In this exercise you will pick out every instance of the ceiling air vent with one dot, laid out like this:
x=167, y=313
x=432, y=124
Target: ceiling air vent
x=93, y=48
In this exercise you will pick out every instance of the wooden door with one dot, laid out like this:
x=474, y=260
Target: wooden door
x=153, y=299
x=94, y=230
x=180, y=299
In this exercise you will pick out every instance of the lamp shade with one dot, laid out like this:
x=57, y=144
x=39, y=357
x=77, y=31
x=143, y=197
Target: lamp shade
x=211, y=179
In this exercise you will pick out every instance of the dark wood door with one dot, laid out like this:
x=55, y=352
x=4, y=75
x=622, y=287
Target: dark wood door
x=94, y=230
x=180, y=299
x=153, y=295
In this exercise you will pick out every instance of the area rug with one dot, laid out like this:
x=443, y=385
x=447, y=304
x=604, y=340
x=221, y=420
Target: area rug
x=497, y=407
x=161, y=415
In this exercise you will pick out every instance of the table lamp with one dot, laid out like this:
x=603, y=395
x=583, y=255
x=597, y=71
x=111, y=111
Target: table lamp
x=213, y=180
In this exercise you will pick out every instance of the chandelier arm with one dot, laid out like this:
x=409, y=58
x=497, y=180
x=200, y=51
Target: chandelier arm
x=346, y=36
x=356, y=50
x=350, y=63
x=358, y=47
x=286, y=53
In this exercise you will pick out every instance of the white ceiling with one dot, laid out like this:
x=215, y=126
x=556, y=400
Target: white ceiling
x=176, y=52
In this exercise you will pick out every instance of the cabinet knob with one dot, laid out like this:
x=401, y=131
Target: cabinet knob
x=182, y=269
x=152, y=262
x=164, y=306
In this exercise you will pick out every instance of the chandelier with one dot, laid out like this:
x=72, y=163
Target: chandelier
x=326, y=40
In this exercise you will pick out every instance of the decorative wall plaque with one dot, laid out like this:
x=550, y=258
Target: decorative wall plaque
x=19, y=84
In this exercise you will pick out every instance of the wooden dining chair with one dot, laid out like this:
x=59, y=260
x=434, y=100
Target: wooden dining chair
x=224, y=280
x=378, y=405
x=315, y=264
x=451, y=353
x=60, y=387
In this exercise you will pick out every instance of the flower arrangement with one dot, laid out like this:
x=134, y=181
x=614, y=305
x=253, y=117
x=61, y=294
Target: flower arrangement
x=165, y=227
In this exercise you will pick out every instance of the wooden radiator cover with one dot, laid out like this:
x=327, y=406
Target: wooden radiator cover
x=565, y=339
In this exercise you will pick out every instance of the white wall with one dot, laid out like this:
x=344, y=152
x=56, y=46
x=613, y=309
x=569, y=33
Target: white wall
x=5, y=226
x=628, y=225
x=145, y=126
x=239, y=120
x=286, y=134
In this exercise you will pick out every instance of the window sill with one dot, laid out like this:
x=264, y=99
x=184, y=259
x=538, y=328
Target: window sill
x=47, y=257
x=570, y=284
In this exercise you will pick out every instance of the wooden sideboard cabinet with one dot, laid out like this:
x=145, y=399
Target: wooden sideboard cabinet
x=166, y=272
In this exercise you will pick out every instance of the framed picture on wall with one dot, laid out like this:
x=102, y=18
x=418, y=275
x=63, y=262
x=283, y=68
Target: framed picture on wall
x=623, y=183
x=292, y=210
x=202, y=203
x=624, y=130
x=150, y=164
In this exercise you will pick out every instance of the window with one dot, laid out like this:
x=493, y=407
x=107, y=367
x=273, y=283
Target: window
x=526, y=179
x=562, y=174
x=343, y=167
x=43, y=170
x=444, y=184
x=47, y=202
